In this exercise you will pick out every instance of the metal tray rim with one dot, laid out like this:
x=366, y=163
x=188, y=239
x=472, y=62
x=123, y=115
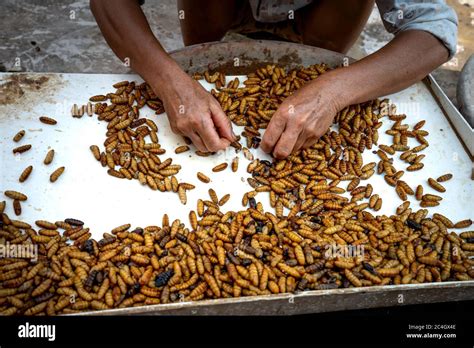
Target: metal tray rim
x=316, y=294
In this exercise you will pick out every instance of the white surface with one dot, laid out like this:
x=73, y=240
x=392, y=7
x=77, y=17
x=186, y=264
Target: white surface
x=85, y=191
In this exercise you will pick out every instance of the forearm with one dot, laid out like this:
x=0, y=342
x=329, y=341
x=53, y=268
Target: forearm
x=127, y=32
x=407, y=59
x=191, y=110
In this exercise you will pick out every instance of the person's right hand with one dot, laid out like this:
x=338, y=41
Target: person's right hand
x=195, y=113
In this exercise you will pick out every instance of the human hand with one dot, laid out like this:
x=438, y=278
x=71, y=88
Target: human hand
x=195, y=113
x=301, y=119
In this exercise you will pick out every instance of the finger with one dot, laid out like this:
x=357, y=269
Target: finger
x=173, y=126
x=210, y=137
x=300, y=141
x=175, y=129
x=222, y=122
x=273, y=132
x=198, y=142
x=309, y=142
x=286, y=143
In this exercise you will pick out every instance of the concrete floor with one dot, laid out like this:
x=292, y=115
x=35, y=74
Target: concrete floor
x=62, y=36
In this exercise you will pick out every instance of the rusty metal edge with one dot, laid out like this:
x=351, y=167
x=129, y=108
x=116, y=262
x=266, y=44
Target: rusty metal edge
x=251, y=55
x=316, y=301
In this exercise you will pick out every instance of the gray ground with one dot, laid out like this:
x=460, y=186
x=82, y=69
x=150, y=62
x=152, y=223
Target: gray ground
x=62, y=36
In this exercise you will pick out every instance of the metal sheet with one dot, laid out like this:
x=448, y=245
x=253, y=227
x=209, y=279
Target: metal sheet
x=242, y=57
x=311, y=301
x=462, y=127
x=86, y=192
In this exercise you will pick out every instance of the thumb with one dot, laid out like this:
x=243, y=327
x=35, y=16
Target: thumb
x=222, y=123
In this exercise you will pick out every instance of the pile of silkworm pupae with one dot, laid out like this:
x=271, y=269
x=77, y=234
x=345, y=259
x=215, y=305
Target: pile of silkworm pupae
x=250, y=252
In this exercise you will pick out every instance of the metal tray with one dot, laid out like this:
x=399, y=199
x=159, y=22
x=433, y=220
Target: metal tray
x=311, y=301
x=53, y=94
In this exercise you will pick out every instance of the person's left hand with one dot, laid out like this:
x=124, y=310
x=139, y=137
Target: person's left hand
x=301, y=119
